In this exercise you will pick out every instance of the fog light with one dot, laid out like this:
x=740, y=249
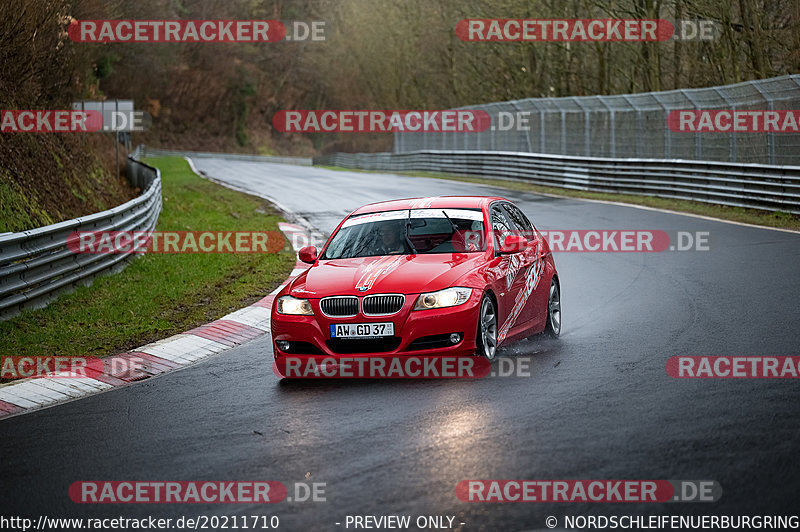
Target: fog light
x=455, y=338
x=283, y=345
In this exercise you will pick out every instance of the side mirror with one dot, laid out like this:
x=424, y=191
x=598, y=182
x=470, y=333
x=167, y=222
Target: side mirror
x=308, y=254
x=513, y=244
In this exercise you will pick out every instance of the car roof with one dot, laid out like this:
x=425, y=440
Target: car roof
x=433, y=202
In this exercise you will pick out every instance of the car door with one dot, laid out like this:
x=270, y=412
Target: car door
x=511, y=266
x=533, y=312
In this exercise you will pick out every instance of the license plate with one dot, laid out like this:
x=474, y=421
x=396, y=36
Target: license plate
x=361, y=330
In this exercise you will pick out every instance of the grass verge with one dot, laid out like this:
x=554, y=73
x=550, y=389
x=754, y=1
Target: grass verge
x=779, y=219
x=159, y=295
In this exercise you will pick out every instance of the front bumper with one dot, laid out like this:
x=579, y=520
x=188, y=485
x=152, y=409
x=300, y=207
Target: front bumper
x=421, y=332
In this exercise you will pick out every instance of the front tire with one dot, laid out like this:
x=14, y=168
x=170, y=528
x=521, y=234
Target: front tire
x=487, y=328
x=553, y=327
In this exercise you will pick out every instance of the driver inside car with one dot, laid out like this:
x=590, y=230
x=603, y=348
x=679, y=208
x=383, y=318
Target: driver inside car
x=390, y=239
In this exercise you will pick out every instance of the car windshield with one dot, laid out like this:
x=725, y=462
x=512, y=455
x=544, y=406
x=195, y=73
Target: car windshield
x=422, y=231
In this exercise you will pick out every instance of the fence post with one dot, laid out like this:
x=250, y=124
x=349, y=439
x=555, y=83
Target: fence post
x=639, y=127
x=563, y=126
x=667, y=132
x=612, y=133
x=527, y=135
x=698, y=140
x=733, y=155
x=586, y=136
x=770, y=134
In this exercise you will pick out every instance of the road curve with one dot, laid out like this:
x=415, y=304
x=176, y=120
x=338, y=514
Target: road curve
x=597, y=405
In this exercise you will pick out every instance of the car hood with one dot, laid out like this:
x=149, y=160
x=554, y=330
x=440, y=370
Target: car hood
x=401, y=274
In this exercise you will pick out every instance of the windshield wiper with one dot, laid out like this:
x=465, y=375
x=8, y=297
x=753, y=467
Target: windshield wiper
x=455, y=227
x=405, y=233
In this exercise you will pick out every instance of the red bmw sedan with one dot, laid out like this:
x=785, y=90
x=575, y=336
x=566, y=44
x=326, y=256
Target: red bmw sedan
x=452, y=275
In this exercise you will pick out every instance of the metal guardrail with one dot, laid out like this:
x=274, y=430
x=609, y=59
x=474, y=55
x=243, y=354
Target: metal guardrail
x=736, y=184
x=36, y=266
x=152, y=152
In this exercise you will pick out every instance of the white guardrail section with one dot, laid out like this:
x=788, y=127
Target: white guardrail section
x=152, y=152
x=758, y=186
x=36, y=266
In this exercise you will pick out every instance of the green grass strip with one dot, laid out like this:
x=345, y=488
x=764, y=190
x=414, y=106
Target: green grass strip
x=159, y=295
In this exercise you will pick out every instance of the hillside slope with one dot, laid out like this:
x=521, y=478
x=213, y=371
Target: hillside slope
x=48, y=178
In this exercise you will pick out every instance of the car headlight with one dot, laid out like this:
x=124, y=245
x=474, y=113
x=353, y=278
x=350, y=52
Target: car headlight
x=449, y=297
x=293, y=305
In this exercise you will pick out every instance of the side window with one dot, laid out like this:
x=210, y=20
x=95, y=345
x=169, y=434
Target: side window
x=500, y=224
x=520, y=222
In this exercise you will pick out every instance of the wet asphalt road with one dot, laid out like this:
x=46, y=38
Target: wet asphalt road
x=598, y=403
